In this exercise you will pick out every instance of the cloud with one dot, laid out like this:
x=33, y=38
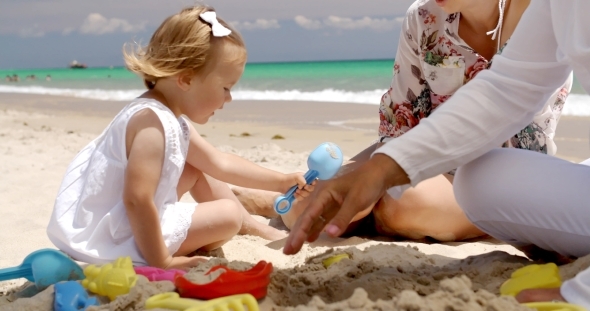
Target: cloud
x=31, y=32
x=379, y=24
x=68, y=31
x=258, y=24
x=96, y=24
x=307, y=23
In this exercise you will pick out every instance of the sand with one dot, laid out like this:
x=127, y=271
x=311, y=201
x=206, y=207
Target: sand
x=39, y=135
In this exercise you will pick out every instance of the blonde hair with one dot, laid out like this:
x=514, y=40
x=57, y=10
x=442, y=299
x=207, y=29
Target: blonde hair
x=182, y=42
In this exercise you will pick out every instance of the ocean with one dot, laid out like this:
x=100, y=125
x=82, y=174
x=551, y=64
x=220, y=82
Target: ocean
x=360, y=81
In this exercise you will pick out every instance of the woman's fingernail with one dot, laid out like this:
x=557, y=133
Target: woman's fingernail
x=332, y=230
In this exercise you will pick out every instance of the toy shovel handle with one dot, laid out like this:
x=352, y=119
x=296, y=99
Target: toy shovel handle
x=287, y=199
x=15, y=273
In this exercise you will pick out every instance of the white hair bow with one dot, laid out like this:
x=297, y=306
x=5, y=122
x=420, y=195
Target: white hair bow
x=217, y=29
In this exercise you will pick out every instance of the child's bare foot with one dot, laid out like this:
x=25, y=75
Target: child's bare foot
x=251, y=226
x=257, y=202
x=273, y=234
x=264, y=231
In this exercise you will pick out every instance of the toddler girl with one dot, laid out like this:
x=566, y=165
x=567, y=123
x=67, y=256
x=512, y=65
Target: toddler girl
x=120, y=194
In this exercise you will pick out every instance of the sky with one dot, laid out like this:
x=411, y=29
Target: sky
x=52, y=33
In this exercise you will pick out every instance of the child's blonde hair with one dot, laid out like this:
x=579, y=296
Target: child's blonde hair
x=182, y=42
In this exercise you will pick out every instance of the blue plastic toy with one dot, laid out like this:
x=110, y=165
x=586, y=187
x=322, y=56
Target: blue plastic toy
x=71, y=296
x=44, y=267
x=323, y=163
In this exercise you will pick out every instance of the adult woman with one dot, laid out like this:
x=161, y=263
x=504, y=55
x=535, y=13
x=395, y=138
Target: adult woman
x=513, y=202
x=443, y=45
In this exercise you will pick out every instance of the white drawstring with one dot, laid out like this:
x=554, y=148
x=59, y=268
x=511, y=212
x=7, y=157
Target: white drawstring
x=498, y=30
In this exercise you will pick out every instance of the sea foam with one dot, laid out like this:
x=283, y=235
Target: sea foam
x=576, y=104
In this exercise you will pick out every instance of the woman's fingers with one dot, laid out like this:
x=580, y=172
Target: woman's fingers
x=311, y=223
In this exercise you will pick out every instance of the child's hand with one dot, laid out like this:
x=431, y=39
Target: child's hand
x=301, y=194
x=303, y=189
x=185, y=263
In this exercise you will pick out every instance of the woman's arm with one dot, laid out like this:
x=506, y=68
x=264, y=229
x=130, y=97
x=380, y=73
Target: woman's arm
x=407, y=85
x=489, y=109
x=235, y=170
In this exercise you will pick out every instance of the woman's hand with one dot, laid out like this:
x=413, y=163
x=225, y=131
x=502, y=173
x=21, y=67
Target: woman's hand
x=539, y=295
x=184, y=262
x=338, y=200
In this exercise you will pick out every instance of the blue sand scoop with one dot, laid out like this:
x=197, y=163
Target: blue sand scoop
x=71, y=296
x=44, y=267
x=323, y=163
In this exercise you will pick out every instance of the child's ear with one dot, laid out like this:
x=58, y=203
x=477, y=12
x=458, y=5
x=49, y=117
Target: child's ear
x=184, y=79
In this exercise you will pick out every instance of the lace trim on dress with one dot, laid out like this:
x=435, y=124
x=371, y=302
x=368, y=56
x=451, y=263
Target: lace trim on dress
x=184, y=215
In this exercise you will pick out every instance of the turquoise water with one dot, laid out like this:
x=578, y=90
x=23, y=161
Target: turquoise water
x=360, y=81
x=303, y=76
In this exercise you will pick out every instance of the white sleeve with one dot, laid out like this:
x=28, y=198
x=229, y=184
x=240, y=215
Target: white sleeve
x=577, y=290
x=489, y=109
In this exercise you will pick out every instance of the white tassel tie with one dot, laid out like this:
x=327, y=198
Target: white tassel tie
x=498, y=30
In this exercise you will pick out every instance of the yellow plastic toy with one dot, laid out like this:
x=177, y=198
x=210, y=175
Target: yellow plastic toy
x=553, y=306
x=532, y=276
x=112, y=279
x=334, y=259
x=173, y=301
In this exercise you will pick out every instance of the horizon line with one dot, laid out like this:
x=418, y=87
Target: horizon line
x=256, y=62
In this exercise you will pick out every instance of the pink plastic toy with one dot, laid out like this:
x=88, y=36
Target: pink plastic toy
x=157, y=274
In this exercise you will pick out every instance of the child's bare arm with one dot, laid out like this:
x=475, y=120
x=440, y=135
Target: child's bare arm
x=145, y=153
x=238, y=171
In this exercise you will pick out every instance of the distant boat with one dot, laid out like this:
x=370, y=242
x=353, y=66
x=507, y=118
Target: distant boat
x=75, y=65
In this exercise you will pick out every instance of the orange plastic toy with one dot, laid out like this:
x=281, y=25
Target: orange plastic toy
x=112, y=279
x=254, y=281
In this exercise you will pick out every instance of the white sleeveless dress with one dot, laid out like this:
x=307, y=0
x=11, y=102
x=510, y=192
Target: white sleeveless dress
x=89, y=221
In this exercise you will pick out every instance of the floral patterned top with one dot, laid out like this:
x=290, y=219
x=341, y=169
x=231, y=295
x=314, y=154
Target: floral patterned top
x=432, y=62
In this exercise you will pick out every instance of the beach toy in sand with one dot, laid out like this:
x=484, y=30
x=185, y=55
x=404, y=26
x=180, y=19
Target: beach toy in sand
x=334, y=259
x=323, y=163
x=225, y=282
x=553, y=306
x=172, y=301
x=71, y=296
x=531, y=276
x=157, y=274
x=44, y=267
x=112, y=279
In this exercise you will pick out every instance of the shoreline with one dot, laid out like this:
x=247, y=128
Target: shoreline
x=354, y=126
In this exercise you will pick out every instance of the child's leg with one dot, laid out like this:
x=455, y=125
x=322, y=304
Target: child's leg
x=214, y=222
x=256, y=201
x=204, y=188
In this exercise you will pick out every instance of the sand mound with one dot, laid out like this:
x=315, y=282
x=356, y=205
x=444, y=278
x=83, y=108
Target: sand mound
x=384, y=272
x=454, y=294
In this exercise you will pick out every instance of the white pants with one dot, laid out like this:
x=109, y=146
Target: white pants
x=523, y=197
